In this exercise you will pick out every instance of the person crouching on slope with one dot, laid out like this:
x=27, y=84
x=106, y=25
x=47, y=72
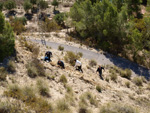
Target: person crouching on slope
x=48, y=56
x=61, y=64
x=78, y=65
x=99, y=69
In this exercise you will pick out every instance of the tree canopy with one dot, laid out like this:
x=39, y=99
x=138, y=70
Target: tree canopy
x=116, y=26
x=6, y=38
x=10, y=4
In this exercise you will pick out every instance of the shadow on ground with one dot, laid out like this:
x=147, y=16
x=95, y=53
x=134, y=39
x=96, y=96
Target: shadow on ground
x=124, y=63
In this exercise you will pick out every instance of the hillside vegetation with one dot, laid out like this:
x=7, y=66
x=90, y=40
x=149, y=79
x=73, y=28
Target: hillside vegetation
x=116, y=26
x=29, y=84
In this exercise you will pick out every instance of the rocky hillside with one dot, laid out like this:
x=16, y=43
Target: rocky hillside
x=29, y=84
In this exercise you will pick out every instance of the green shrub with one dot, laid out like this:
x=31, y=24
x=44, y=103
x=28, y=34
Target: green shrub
x=127, y=84
x=35, y=68
x=7, y=38
x=10, y=4
x=1, y=6
x=92, y=63
x=61, y=48
x=11, y=66
x=70, y=57
x=138, y=81
x=113, y=76
x=126, y=73
x=63, y=79
x=50, y=25
x=3, y=74
x=117, y=108
x=43, y=88
x=98, y=88
x=59, y=18
x=80, y=54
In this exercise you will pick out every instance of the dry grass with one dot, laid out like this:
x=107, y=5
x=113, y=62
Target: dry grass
x=35, y=68
x=62, y=107
x=11, y=66
x=92, y=63
x=3, y=74
x=28, y=97
x=71, y=56
x=88, y=96
x=138, y=81
x=117, y=108
x=43, y=88
x=63, y=79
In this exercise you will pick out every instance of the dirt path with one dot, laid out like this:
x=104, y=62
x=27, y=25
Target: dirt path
x=103, y=59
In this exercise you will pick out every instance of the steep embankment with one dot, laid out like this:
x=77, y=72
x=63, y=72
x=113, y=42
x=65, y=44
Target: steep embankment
x=51, y=89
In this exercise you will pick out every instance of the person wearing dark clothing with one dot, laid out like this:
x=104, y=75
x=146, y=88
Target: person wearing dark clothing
x=99, y=69
x=61, y=64
x=48, y=55
x=78, y=65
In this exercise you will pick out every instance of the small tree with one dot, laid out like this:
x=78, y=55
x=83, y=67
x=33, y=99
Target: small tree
x=55, y=3
x=10, y=4
x=43, y=4
x=27, y=6
x=59, y=18
x=1, y=6
x=33, y=2
x=2, y=22
x=6, y=38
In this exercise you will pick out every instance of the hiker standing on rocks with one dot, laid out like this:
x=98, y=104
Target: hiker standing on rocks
x=78, y=65
x=99, y=69
x=61, y=64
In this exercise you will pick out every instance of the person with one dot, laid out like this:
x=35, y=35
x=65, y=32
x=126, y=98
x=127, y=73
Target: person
x=61, y=64
x=48, y=55
x=99, y=69
x=78, y=65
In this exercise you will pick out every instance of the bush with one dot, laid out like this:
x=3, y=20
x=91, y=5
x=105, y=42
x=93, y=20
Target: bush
x=98, y=88
x=27, y=6
x=126, y=73
x=50, y=25
x=80, y=54
x=61, y=48
x=7, y=38
x=70, y=57
x=1, y=6
x=59, y=18
x=10, y=4
x=138, y=81
x=113, y=76
x=127, y=84
x=35, y=68
x=11, y=66
x=63, y=79
x=92, y=63
x=43, y=88
x=117, y=108
x=3, y=74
